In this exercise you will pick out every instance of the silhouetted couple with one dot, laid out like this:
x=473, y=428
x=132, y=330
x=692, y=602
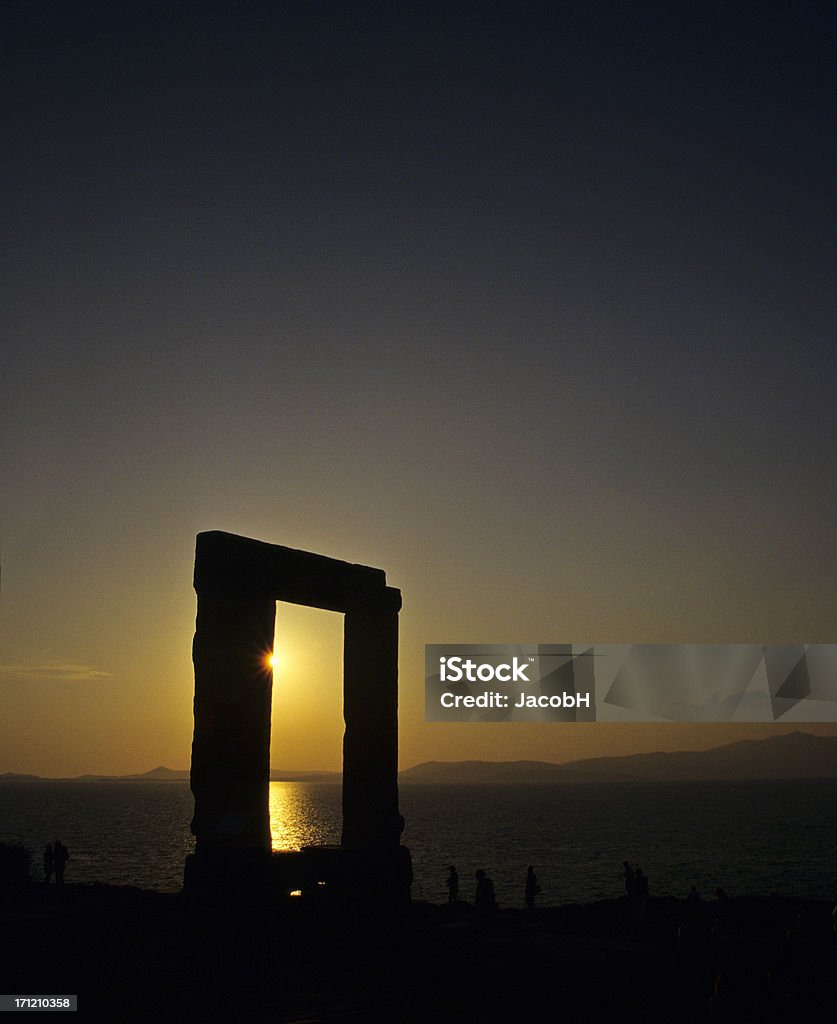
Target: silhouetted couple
x=636, y=884
x=636, y=887
x=55, y=859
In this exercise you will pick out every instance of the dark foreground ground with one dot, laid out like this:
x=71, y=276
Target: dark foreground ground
x=135, y=955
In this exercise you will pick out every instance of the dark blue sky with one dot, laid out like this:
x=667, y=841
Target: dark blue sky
x=530, y=304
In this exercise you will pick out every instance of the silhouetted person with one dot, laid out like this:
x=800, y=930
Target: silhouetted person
x=453, y=884
x=60, y=856
x=693, y=899
x=532, y=888
x=640, y=893
x=48, y=863
x=484, y=900
x=628, y=874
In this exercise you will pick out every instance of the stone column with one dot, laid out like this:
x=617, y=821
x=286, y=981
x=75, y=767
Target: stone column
x=371, y=820
x=231, y=746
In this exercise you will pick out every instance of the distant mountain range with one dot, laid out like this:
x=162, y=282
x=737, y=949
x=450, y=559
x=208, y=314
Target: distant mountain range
x=796, y=755
x=162, y=774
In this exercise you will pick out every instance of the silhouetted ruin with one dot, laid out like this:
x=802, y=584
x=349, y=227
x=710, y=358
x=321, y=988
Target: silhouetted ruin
x=238, y=582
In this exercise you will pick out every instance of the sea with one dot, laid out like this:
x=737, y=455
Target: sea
x=750, y=838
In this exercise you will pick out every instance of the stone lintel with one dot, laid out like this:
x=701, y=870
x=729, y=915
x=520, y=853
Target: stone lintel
x=225, y=562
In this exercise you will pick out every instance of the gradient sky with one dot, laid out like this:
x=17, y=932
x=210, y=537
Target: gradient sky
x=530, y=304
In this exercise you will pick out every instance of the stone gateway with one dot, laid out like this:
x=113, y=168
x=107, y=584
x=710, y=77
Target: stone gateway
x=238, y=582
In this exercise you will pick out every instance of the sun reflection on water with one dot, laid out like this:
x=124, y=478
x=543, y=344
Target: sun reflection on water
x=304, y=814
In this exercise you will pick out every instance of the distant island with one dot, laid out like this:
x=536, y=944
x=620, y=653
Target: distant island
x=796, y=755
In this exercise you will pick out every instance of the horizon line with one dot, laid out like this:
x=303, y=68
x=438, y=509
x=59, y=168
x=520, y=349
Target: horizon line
x=339, y=771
